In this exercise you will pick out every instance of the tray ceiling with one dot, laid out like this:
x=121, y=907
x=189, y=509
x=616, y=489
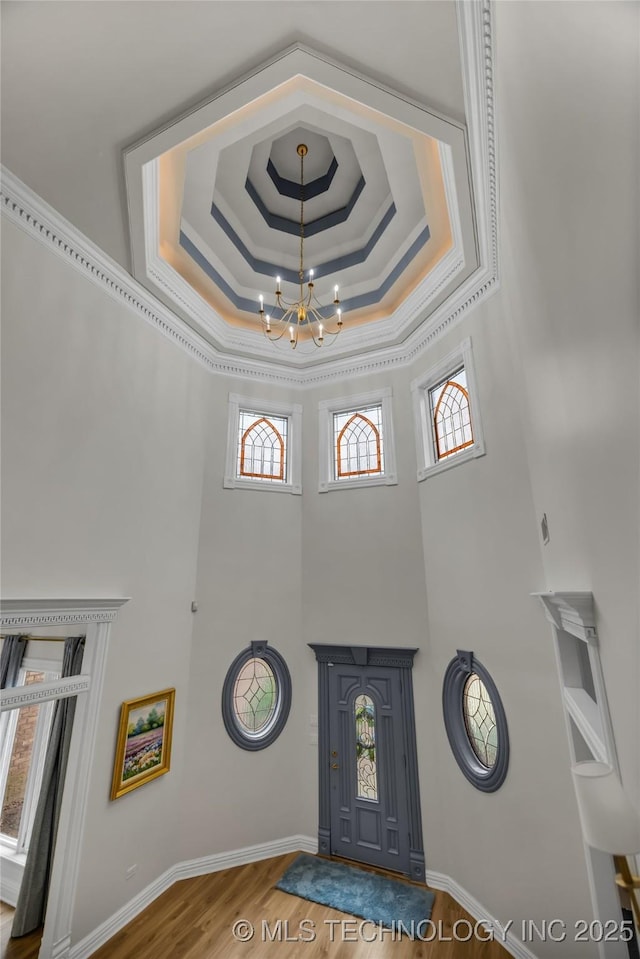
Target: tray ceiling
x=214, y=206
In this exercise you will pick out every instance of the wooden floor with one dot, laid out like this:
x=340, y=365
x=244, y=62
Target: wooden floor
x=195, y=920
x=24, y=948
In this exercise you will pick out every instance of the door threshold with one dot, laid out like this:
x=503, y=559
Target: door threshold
x=380, y=870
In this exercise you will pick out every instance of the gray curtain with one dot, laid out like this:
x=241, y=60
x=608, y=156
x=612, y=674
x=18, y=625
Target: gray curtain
x=32, y=901
x=13, y=649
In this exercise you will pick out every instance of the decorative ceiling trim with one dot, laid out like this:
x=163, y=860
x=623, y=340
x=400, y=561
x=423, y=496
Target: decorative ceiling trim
x=322, y=269
x=292, y=189
x=22, y=206
x=371, y=337
x=322, y=223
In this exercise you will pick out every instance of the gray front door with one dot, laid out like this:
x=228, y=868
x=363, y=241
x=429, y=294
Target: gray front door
x=368, y=790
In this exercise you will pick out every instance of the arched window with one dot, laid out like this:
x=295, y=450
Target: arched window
x=366, y=761
x=262, y=447
x=451, y=416
x=356, y=441
x=359, y=443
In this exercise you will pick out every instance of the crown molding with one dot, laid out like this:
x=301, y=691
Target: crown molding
x=574, y=612
x=26, y=209
x=32, y=613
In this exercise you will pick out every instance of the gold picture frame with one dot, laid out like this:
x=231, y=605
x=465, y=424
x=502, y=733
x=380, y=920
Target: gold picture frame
x=143, y=750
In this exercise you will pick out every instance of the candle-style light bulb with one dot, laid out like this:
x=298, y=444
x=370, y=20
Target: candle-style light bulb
x=291, y=334
x=268, y=323
x=339, y=312
x=320, y=336
x=310, y=274
x=335, y=290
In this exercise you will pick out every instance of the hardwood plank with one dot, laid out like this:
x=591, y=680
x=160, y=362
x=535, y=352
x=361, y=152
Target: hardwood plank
x=195, y=918
x=26, y=947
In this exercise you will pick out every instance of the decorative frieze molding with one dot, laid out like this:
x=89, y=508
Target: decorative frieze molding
x=475, y=21
x=399, y=656
x=43, y=692
x=32, y=613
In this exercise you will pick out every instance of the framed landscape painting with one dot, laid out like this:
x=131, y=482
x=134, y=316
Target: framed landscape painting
x=143, y=751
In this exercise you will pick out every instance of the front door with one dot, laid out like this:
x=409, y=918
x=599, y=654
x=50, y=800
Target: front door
x=368, y=789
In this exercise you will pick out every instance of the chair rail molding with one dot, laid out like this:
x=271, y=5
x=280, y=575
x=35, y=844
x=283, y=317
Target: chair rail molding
x=95, y=616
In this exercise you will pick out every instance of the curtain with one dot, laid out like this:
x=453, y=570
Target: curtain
x=32, y=901
x=13, y=649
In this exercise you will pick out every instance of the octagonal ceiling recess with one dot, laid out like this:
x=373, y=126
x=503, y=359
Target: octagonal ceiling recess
x=214, y=203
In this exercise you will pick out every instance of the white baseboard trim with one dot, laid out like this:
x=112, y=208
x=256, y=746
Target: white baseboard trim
x=438, y=880
x=240, y=857
x=9, y=892
x=267, y=850
x=12, y=868
x=186, y=870
x=106, y=930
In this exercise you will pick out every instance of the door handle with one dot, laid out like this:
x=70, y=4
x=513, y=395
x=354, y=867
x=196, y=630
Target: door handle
x=334, y=766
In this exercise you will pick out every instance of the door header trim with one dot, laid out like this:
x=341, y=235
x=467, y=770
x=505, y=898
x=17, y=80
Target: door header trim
x=364, y=655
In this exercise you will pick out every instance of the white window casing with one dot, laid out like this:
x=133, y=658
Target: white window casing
x=428, y=462
x=293, y=412
x=326, y=410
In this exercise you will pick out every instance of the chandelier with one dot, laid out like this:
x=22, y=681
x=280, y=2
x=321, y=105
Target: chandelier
x=304, y=318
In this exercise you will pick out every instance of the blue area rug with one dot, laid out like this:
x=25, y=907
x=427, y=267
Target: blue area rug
x=384, y=901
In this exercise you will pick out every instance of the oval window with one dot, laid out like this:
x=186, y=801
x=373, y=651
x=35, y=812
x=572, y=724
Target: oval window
x=256, y=697
x=475, y=721
x=480, y=720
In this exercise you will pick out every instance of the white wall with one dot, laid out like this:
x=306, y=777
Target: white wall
x=518, y=850
x=249, y=586
x=103, y=444
x=568, y=91
x=113, y=457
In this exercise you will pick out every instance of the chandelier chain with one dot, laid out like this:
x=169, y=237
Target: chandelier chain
x=301, y=271
x=305, y=316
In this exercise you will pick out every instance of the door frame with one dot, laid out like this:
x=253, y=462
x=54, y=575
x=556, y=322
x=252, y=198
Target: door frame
x=327, y=655
x=94, y=616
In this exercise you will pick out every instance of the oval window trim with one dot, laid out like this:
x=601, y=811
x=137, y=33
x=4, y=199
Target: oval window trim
x=270, y=731
x=459, y=671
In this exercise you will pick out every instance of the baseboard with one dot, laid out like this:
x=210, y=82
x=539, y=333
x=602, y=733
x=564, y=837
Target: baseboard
x=87, y=946
x=240, y=857
x=267, y=850
x=12, y=873
x=438, y=880
x=9, y=891
x=186, y=870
